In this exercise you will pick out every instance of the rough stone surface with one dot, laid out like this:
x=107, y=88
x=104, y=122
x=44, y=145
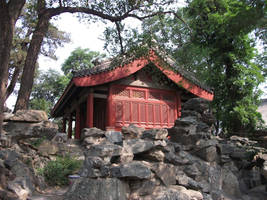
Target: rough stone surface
x=60, y=138
x=92, y=132
x=48, y=148
x=27, y=116
x=155, y=134
x=132, y=131
x=166, y=173
x=138, y=145
x=23, y=130
x=133, y=170
x=114, y=137
x=101, y=189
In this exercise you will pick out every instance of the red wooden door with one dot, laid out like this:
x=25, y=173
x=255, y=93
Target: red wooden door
x=100, y=113
x=145, y=107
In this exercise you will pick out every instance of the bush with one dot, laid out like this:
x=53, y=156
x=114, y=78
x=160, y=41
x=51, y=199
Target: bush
x=56, y=172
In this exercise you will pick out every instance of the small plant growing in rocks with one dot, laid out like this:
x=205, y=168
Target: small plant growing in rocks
x=56, y=171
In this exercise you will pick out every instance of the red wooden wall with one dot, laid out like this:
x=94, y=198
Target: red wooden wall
x=145, y=107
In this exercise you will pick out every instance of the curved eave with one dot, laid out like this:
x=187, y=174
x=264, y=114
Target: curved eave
x=136, y=65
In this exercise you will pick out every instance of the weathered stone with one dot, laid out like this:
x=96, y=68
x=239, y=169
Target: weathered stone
x=176, y=160
x=114, y=137
x=132, y=131
x=166, y=173
x=104, y=150
x=101, y=189
x=183, y=180
x=155, y=134
x=197, y=104
x=126, y=156
x=138, y=145
x=92, y=166
x=23, y=130
x=47, y=148
x=206, y=149
x=190, y=113
x=60, y=138
x=163, y=193
x=230, y=184
x=186, y=122
x=154, y=155
x=192, y=171
x=143, y=187
x=19, y=187
x=133, y=170
x=92, y=132
x=28, y=116
x=92, y=140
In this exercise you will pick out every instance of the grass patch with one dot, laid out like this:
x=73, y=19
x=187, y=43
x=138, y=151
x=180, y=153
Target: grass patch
x=56, y=172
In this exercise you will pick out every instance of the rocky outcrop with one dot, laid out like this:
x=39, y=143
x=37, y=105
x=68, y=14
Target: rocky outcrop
x=184, y=162
x=28, y=124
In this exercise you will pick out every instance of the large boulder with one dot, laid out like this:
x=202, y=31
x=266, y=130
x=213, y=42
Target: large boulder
x=155, y=134
x=166, y=173
x=137, y=146
x=92, y=132
x=47, y=148
x=101, y=189
x=24, y=130
x=197, y=104
x=27, y=116
x=132, y=131
x=133, y=170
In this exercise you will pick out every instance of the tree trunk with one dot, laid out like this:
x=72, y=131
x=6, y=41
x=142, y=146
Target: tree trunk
x=30, y=62
x=9, y=13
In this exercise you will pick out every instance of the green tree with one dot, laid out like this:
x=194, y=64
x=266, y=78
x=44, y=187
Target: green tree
x=222, y=27
x=220, y=36
x=81, y=59
x=47, y=89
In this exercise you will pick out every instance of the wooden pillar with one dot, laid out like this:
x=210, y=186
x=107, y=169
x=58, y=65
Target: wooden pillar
x=110, y=119
x=70, y=126
x=90, y=110
x=64, y=125
x=78, y=123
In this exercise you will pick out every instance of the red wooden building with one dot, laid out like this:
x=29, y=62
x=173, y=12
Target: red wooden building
x=147, y=91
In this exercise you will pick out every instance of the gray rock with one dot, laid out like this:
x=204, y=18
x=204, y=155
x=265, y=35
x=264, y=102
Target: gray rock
x=100, y=189
x=114, y=137
x=155, y=134
x=92, y=132
x=138, y=145
x=93, y=167
x=60, y=138
x=206, y=150
x=133, y=170
x=230, y=184
x=165, y=172
x=176, y=160
x=154, y=155
x=23, y=130
x=143, y=187
x=48, y=148
x=28, y=116
x=104, y=150
x=197, y=104
x=132, y=131
x=20, y=188
x=93, y=140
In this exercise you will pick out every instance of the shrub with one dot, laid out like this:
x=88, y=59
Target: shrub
x=56, y=172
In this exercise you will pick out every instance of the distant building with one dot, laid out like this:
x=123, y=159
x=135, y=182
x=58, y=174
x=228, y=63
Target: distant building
x=263, y=110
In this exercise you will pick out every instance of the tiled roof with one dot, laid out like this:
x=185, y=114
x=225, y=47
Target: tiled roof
x=109, y=66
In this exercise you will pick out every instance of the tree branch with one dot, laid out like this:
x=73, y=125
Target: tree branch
x=119, y=34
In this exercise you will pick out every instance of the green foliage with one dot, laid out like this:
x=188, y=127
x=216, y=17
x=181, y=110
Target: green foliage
x=37, y=141
x=47, y=89
x=217, y=44
x=81, y=59
x=222, y=27
x=56, y=172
